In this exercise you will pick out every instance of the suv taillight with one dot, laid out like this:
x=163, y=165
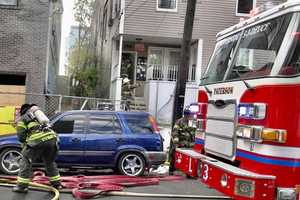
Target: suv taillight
x=154, y=124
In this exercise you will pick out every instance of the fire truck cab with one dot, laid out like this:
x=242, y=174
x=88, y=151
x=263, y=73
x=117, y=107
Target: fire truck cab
x=248, y=140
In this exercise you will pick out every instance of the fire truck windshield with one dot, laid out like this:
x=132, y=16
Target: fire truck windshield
x=247, y=54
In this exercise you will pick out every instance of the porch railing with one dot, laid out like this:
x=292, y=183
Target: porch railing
x=167, y=72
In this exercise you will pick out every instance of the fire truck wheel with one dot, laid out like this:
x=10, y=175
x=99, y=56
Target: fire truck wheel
x=131, y=164
x=9, y=161
x=188, y=176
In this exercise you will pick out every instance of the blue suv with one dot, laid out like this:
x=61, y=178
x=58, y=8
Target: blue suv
x=129, y=142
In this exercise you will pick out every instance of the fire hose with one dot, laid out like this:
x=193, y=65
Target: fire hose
x=36, y=186
x=86, y=187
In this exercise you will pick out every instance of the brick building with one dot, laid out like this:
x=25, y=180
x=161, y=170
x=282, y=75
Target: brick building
x=29, y=45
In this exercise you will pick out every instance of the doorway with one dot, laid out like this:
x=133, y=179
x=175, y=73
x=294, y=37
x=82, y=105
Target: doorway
x=128, y=65
x=134, y=68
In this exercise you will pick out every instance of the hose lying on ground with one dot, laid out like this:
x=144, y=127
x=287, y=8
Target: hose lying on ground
x=35, y=186
x=135, y=194
x=87, y=187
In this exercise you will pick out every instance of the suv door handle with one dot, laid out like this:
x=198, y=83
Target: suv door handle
x=119, y=139
x=77, y=140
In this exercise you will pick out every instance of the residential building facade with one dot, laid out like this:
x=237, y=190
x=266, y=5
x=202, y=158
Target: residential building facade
x=141, y=40
x=30, y=32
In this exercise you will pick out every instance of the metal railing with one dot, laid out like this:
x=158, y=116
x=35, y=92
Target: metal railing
x=167, y=72
x=52, y=103
x=162, y=72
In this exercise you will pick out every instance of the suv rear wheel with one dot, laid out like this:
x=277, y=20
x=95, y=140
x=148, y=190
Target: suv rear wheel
x=10, y=161
x=131, y=164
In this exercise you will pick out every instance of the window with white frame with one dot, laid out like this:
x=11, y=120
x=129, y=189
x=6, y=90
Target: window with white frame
x=243, y=7
x=116, y=8
x=104, y=25
x=8, y=2
x=167, y=5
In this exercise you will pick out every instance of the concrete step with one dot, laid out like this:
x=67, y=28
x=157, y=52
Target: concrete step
x=137, y=104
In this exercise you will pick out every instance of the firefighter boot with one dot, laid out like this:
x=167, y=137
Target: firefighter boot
x=57, y=186
x=20, y=188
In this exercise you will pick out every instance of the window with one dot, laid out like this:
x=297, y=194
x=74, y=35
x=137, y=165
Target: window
x=167, y=5
x=104, y=25
x=163, y=63
x=221, y=59
x=243, y=7
x=12, y=79
x=8, y=2
x=292, y=63
x=70, y=124
x=139, y=124
x=258, y=49
x=116, y=8
x=104, y=124
x=193, y=64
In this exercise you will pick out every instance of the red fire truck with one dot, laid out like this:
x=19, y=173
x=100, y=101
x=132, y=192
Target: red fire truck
x=248, y=140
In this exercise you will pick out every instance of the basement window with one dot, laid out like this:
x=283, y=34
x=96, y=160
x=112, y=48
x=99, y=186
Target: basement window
x=243, y=7
x=167, y=5
x=9, y=3
x=12, y=79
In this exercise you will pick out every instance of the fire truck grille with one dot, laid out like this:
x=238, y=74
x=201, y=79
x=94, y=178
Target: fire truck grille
x=220, y=126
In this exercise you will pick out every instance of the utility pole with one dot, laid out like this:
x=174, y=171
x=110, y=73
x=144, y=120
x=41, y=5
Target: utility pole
x=184, y=63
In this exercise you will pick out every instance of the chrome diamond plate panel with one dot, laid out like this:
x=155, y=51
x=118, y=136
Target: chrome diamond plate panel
x=220, y=139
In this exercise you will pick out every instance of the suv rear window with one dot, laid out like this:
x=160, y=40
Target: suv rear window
x=139, y=124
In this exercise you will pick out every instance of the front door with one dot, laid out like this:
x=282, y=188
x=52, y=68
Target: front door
x=140, y=77
x=71, y=129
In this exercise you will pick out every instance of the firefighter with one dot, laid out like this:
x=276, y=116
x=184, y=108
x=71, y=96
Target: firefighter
x=128, y=91
x=127, y=88
x=182, y=136
x=38, y=141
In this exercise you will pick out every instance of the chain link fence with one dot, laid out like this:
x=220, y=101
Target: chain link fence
x=52, y=104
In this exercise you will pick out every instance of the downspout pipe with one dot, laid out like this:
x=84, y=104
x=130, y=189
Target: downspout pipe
x=48, y=46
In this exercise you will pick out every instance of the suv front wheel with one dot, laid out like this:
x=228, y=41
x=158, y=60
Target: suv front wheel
x=10, y=161
x=131, y=164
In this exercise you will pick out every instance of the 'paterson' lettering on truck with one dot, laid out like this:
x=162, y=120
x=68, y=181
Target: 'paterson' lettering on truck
x=223, y=90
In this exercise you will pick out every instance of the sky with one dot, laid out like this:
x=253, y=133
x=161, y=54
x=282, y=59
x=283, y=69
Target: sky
x=68, y=20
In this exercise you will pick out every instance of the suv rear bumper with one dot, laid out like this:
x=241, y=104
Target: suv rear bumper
x=155, y=157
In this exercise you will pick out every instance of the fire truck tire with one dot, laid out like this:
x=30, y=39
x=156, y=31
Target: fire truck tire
x=9, y=161
x=188, y=176
x=131, y=164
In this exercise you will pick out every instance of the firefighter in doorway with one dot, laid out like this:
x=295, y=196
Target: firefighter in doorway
x=128, y=92
x=38, y=141
x=182, y=136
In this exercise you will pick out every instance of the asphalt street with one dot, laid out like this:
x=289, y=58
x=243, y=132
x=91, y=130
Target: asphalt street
x=186, y=186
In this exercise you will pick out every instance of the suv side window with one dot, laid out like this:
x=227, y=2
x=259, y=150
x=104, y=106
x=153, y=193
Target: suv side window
x=139, y=124
x=104, y=124
x=70, y=124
